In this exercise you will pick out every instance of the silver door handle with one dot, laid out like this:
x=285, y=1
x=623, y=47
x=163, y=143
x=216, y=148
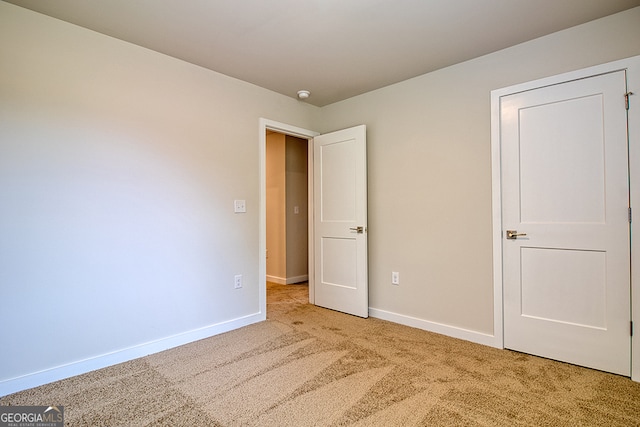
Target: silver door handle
x=513, y=234
x=358, y=230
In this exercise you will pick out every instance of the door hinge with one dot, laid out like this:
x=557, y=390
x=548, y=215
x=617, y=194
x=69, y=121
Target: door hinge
x=626, y=99
x=631, y=329
x=630, y=214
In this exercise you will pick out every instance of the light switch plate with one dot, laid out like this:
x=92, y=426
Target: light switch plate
x=239, y=206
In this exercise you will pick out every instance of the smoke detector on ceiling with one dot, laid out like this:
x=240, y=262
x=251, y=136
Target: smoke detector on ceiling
x=303, y=94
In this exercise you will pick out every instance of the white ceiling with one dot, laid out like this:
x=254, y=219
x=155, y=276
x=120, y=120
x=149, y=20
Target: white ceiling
x=334, y=48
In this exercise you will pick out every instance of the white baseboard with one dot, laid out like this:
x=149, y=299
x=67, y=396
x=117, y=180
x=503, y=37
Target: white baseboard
x=287, y=280
x=276, y=280
x=438, y=328
x=297, y=279
x=36, y=379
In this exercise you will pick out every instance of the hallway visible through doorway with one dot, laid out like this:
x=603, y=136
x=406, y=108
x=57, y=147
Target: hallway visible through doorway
x=287, y=210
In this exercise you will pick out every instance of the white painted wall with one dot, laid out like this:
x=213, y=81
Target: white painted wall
x=429, y=153
x=118, y=171
x=276, y=186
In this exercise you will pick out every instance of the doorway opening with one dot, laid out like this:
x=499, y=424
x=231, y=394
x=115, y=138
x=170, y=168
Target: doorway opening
x=269, y=127
x=337, y=230
x=287, y=213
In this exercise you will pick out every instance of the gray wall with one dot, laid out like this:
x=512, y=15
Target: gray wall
x=297, y=197
x=430, y=171
x=118, y=171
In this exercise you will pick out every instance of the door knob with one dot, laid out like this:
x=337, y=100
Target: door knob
x=513, y=234
x=358, y=230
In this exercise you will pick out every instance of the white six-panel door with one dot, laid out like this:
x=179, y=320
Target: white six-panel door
x=565, y=185
x=340, y=221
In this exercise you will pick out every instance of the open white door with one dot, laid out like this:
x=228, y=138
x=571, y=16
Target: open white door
x=565, y=200
x=340, y=221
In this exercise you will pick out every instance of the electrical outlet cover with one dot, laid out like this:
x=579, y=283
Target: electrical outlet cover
x=395, y=278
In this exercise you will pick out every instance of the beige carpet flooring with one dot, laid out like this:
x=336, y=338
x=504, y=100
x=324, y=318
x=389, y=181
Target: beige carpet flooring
x=308, y=366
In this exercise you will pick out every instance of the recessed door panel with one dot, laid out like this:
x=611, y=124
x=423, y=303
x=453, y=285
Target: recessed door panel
x=338, y=189
x=551, y=280
x=554, y=169
x=338, y=255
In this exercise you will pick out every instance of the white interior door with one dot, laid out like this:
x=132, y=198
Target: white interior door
x=340, y=221
x=565, y=184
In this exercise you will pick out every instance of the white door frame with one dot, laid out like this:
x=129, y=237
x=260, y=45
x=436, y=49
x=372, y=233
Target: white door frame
x=264, y=125
x=632, y=67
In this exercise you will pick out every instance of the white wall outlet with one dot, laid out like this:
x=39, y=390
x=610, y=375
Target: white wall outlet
x=239, y=206
x=395, y=278
x=237, y=281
